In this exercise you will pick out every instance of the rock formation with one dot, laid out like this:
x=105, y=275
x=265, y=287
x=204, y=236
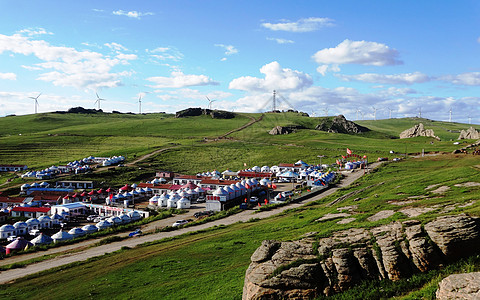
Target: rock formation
x=418, y=130
x=469, y=134
x=308, y=267
x=285, y=129
x=460, y=286
x=215, y=114
x=340, y=125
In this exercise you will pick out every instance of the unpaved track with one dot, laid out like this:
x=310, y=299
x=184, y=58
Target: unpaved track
x=10, y=275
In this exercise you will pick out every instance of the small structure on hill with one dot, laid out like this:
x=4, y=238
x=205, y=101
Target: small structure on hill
x=340, y=125
x=469, y=134
x=418, y=130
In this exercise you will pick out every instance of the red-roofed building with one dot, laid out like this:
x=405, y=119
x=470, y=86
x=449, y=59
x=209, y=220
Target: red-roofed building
x=6, y=201
x=184, y=179
x=165, y=174
x=213, y=184
x=156, y=188
x=29, y=212
x=12, y=168
x=245, y=174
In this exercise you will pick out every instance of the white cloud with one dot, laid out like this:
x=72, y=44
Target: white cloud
x=127, y=56
x=34, y=31
x=358, y=52
x=116, y=46
x=276, y=78
x=229, y=49
x=471, y=78
x=69, y=67
x=280, y=41
x=132, y=14
x=406, y=78
x=180, y=80
x=8, y=76
x=166, y=53
x=302, y=25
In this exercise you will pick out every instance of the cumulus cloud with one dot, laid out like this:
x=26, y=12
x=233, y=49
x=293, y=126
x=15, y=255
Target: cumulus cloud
x=357, y=52
x=302, y=25
x=180, y=80
x=126, y=57
x=132, y=14
x=67, y=66
x=280, y=41
x=116, y=46
x=406, y=78
x=166, y=53
x=229, y=49
x=471, y=78
x=8, y=76
x=276, y=78
x=34, y=31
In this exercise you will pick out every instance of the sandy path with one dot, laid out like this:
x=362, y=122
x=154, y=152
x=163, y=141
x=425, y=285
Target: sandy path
x=10, y=275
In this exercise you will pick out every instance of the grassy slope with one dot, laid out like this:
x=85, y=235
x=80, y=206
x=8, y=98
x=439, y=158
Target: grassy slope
x=213, y=263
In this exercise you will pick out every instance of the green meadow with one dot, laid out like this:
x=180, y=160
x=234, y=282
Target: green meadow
x=211, y=264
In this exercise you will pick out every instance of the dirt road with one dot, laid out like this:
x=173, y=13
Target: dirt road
x=10, y=275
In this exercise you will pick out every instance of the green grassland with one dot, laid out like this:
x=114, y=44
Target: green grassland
x=213, y=262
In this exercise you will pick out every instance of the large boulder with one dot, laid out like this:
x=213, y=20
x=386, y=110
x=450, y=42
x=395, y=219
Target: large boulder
x=340, y=125
x=469, y=134
x=460, y=286
x=418, y=130
x=300, y=270
x=197, y=111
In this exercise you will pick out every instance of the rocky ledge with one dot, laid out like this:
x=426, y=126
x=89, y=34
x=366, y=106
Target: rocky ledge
x=340, y=125
x=310, y=267
x=418, y=130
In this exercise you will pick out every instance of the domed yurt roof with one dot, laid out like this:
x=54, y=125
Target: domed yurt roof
x=42, y=239
x=61, y=236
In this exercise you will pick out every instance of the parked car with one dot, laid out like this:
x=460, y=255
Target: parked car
x=199, y=214
x=99, y=218
x=287, y=194
x=34, y=232
x=254, y=199
x=91, y=218
x=137, y=232
x=11, y=238
x=201, y=199
x=180, y=222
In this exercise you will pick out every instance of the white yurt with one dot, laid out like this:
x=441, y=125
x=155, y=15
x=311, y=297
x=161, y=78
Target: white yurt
x=76, y=232
x=242, y=188
x=24, y=187
x=90, y=228
x=103, y=225
x=33, y=224
x=265, y=169
x=45, y=222
x=236, y=189
x=153, y=201
x=193, y=195
x=231, y=192
x=162, y=200
x=56, y=219
x=41, y=239
x=183, y=203
x=201, y=192
x=220, y=192
x=183, y=194
x=256, y=169
x=134, y=215
x=172, y=201
x=125, y=218
x=21, y=228
x=61, y=236
x=6, y=231
x=115, y=220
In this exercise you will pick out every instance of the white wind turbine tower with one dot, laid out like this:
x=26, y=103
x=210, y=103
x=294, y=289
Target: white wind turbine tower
x=390, y=115
x=374, y=113
x=469, y=120
x=356, y=114
x=210, y=102
x=450, y=115
x=363, y=115
x=420, y=112
x=98, y=100
x=140, y=104
x=325, y=110
x=36, y=101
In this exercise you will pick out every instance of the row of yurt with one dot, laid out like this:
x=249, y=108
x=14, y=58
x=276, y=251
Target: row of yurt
x=24, y=187
x=170, y=201
x=22, y=228
x=113, y=160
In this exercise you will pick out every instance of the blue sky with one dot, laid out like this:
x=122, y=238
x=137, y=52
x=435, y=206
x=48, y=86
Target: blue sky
x=335, y=57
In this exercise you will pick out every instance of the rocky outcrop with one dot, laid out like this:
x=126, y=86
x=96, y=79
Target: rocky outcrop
x=460, y=286
x=418, y=130
x=285, y=129
x=469, y=134
x=340, y=125
x=300, y=270
x=215, y=114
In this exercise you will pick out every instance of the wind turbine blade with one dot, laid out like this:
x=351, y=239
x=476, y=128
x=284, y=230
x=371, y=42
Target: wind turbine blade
x=97, y=95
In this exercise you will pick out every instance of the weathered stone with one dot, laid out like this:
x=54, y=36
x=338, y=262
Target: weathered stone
x=418, y=130
x=470, y=133
x=277, y=130
x=349, y=256
x=340, y=125
x=460, y=286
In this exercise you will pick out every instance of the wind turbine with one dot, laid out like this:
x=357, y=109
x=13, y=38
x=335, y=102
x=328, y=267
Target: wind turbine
x=469, y=120
x=356, y=114
x=450, y=117
x=210, y=102
x=140, y=104
x=420, y=112
x=374, y=113
x=390, y=110
x=36, y=101
x=325, y=110
x=98, y=100
x=363, y=115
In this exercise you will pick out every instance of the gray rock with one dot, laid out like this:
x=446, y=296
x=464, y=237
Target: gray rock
x=418, y=130
x=460, y=286
x=340, y=125
x=470, y=133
